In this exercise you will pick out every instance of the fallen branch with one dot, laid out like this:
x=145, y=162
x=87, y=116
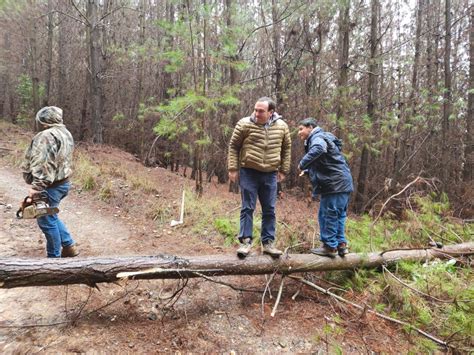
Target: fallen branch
x=15, y=272
x=233, y=287
x=277, y=302
x=267, y=287
x=418, y=178
x=414, y=289
x=367, y=309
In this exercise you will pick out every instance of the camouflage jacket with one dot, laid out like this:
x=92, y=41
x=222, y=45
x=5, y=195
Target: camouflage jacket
x=49, y=157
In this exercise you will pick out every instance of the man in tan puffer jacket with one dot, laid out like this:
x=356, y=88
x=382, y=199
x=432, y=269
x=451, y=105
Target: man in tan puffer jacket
x=259, y=151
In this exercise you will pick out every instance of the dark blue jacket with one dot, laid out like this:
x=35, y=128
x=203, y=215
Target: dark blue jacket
x=325, y=164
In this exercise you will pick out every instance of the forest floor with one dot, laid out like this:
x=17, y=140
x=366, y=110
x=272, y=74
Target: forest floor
x=135, y=316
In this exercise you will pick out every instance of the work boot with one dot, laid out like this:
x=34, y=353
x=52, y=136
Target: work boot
x=69, y=252
x=269, y=248
x=244, y=248
x=342, y=250
x=324, y=250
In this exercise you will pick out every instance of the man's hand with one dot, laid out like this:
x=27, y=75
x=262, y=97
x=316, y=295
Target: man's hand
x=302, y=172
x=281, y=176
x=32, y=192
x=233, y=175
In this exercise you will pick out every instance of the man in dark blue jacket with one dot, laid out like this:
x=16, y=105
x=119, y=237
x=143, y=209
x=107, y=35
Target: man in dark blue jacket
x=331, y=178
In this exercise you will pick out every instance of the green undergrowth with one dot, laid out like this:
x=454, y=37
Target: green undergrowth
x=87, y=175
x=428, y=222
x=435, y=296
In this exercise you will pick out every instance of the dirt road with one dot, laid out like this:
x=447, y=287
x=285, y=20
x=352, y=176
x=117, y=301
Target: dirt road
x=95, y=233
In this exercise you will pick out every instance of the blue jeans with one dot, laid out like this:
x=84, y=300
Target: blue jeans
x=256, y=184
x=332, y=218
x=54, y=230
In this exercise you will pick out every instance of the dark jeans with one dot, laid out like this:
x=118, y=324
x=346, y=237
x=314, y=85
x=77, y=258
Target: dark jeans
x=332, y=218
x=56, y=233
x=253, y=184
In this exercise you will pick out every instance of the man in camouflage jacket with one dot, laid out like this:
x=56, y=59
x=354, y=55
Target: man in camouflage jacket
x=47, y=167
x=259, y=151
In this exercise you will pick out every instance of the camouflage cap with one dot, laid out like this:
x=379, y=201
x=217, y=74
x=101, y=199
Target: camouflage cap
x=50, y=116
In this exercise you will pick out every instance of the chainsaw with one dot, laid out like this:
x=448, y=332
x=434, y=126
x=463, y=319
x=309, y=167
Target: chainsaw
x=36, y=206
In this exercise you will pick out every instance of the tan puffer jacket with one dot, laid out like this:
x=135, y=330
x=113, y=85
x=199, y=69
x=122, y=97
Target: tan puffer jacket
x=261, y=148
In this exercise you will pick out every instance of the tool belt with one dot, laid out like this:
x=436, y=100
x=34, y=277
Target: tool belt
x=36, y=206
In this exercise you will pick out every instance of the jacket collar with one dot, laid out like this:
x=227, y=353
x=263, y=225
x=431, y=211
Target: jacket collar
x=315, y=131
x=273, y=118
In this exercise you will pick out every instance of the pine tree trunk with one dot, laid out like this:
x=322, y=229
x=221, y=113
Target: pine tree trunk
x=277, y=55
x=34, y=62
x=361, y=193
x=96, y=88
x=447, y=96
x=5, y=81
x=233, y=80
x=63, y=97
x=50, y=272
x=344, y=21
x=49, y=55
x=468, y=171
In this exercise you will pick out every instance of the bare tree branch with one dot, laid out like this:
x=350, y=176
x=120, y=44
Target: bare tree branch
x=362, y=308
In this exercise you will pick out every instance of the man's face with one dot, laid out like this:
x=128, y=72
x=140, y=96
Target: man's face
x=262, y=114
x=303, y=132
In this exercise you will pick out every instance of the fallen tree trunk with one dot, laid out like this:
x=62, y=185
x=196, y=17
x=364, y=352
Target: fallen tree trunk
x=50, y=272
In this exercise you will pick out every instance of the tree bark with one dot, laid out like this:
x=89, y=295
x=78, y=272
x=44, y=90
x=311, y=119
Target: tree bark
x=34, y=62
x=429, y=47
x=363, y=177
x=408, y=119
x=468, y=169
x=16, y=272
x=49, y=55
x=276, y=54
x=5, y=92
x=233, y=78
x=140, y=66
x=62, y=82
x=341, y=103
x=96, y=85
x=167, y=79
x=416, y=63
x=447, y=96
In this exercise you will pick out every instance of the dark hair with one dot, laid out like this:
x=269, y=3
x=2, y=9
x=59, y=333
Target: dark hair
x=269, y=101
x=308, y=122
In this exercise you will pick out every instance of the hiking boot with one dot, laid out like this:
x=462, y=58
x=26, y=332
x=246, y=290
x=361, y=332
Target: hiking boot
x=244, y=248
x=325, y=251
x=269, y=248
x=342, y=250
x=69, y=252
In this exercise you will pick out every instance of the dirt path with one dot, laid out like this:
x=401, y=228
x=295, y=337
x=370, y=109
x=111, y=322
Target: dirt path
x=96, y=234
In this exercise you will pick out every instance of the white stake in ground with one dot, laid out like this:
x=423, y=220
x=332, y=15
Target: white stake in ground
x=174, y=223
